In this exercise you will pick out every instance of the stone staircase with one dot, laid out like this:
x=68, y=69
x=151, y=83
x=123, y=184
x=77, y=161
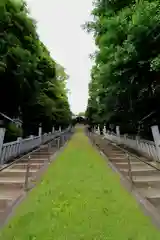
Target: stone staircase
x=144, y=173
x=13, y=177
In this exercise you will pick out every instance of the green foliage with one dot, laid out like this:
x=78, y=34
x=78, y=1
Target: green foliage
x=12, y=132
x=81, y=114
x=33, y=85
x=124, y=87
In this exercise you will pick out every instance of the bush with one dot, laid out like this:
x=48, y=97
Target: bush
x=12, y=132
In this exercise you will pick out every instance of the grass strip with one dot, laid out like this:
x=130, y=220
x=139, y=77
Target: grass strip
x=79, y=198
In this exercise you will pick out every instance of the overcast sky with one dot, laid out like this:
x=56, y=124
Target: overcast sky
x=59, y=27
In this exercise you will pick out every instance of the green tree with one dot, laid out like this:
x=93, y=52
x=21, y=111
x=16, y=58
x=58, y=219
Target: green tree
x=33, y=85
x=124, y=89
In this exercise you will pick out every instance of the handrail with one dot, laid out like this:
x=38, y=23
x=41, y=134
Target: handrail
x=128, y=155
x=17, y=148
x=131, y=154
x=145, y=147
x=18, y=159
x=129, y=168
x=29, y=153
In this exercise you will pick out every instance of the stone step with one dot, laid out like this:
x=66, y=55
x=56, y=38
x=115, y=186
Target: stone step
x=117, y=158
x=42, y=151
x=36, y=160
x=35, y=157
x=5, y=202
x=124, y=165
x=12, y=179
x=123, y=159
x=13, y=172
x=11, y=183
x=39, y=161
x=116, y=155
x=146, y=181
x=10, y=193
x=7, y=197
x=152, y=194
x=24, y=166
x=141, y=171
x=3, y=166
x=39, y=154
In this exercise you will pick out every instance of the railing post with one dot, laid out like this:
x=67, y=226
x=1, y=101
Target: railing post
x=156, y=137
x=40, y=131
x=118, y=134
x=19, y=145
x=137, y=141
x=99, y=130
x=27, y=174
x=2, y=133
x=125, y=139
x=59, y=142
x=60, y=129
x=53, y=130
x=129, y=168
x=49, y=151
x=104, y=130
x=118, y=131
x=64, y=138
x=40, y=134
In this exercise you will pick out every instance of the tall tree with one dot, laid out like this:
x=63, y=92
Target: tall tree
x=33, y=85
x=124, y=89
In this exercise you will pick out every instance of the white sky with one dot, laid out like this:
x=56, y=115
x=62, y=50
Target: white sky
x=59, y=27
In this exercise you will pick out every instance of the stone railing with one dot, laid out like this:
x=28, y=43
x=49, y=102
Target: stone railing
x=144, y=147
x=14, y=149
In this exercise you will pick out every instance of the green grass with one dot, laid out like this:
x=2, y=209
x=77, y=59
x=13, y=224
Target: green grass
x=79, y=198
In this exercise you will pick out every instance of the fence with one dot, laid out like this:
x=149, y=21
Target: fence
x=14, y=149
x=146, y=148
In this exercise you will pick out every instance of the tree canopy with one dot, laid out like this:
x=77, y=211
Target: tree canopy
x=33, y=85
x=124, y=88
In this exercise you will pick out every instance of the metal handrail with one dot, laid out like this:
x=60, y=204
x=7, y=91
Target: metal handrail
x=27, y=174
x=131, y=154
x=128, y=154
x=129, y=168
x=29, y=153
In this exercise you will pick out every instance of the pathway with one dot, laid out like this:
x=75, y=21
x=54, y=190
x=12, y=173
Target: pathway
x=79, y=198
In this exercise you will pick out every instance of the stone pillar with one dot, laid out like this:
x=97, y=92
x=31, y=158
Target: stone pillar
x=60, y=129
x=118, y=134
x=40, y=134
x=125, y=138
x=2, y=134
x=156, y=137
x=118, y=131
x=53, y=129
x=104, y=130
x=40, y=131
x=137, y=141
x=19, y=139
x=99, y=130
